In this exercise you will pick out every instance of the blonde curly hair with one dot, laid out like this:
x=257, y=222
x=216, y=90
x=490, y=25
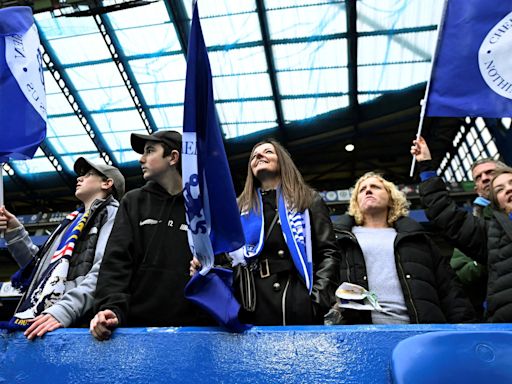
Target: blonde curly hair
x=398, y=204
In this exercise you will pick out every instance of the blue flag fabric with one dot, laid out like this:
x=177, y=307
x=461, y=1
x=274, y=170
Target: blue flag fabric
x=210, y=201
x=472, y=73
x=22, y=94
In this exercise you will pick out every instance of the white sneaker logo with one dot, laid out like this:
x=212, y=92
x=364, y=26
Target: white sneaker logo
x=149, y=222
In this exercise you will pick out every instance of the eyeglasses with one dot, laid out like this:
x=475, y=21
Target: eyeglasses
x=90, y=173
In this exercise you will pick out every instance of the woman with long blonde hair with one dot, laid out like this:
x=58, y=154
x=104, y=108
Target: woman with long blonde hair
x=289, y=268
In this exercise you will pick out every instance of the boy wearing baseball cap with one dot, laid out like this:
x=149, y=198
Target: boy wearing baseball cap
x=146, y=263
x=59, y=279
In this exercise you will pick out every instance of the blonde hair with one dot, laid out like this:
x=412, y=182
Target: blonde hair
x=295, y=190
x=492, y=195
x=398, y=204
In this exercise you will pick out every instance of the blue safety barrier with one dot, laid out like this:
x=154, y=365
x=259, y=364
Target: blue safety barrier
x=308, y=354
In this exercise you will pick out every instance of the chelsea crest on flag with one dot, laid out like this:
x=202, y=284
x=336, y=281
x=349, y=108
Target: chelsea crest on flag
x=472, y=70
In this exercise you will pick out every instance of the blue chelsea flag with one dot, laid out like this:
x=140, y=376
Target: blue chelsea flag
x=210, y=201
x=22, y=94
x=472, y=73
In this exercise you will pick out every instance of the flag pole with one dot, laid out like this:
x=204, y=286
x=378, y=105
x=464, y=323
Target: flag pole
x=1, y=183
x=423, y=101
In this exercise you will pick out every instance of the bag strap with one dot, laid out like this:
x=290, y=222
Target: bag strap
x=246, y=278
x=272, y=225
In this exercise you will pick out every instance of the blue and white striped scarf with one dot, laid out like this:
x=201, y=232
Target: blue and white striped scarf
x=296, y=230
x=51, y=285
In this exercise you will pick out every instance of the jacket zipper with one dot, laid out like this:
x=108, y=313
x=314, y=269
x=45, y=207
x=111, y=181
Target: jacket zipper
x=409, y=294
x=354, y=239
x=283, y=300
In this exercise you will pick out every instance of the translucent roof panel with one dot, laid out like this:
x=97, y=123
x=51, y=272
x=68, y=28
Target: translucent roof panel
x=117, y=121
x=150, y=14
x=309, y=69
x=39, y=164
x=231, y=29
x=116, y=128
x=310, y=82
x=62, y=27
x=240, y=129
x=315, y=54
x=80, y=49
x=403, y=47
x=56, y=102
x=249, y=111
x=164, y=68
x=106, y=98
x=242, y=86
x=163, y=92
x=95, y=76
x=295, y=3
x=151, y=39
x=126, y=155
x=238, y=61
x=221, y=7
x=391, y=77
x=394, y=62
x=388, y=58
x=377, y=15
x=146, y=29
x=67, y=135
x=306, y=20
x=168, y=117
x=299, y=109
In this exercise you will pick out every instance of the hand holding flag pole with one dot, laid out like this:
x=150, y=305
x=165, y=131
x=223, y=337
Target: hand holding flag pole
x=423, y=102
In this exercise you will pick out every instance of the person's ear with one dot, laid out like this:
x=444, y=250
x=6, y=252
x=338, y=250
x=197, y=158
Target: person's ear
x=174, y=157
x=106, y=185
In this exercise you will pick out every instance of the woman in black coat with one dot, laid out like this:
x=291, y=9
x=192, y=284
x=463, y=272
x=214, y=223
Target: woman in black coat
x=289, y=268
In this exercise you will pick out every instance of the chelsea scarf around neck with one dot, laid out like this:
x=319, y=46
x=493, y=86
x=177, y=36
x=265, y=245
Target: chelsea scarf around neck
x=50, y=286
x=296, y=230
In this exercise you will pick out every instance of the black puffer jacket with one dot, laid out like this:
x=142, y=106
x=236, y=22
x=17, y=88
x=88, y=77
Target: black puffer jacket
x=431, y=292
x=486, y=241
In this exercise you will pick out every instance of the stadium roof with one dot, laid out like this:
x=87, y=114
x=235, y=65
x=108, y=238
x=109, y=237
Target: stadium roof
x=318, y=75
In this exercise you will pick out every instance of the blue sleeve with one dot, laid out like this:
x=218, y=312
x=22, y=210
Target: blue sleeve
x=427, y=175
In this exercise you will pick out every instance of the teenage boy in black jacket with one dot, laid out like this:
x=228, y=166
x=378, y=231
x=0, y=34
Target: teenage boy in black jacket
x=145, y=267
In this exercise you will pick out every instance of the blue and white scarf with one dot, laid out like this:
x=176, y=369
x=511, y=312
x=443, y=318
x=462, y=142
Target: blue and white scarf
x=296, y=231
x=51, y=285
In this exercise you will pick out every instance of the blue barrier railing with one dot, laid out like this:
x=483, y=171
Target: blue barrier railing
x=308, y=354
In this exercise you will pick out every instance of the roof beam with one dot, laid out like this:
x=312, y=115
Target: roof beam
x=18, y=180
x=114, y=46
x=394, y=34
x=74, y=99
x=267, y=45
x=47, y=149
x=351, y=13
x=178, y=15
